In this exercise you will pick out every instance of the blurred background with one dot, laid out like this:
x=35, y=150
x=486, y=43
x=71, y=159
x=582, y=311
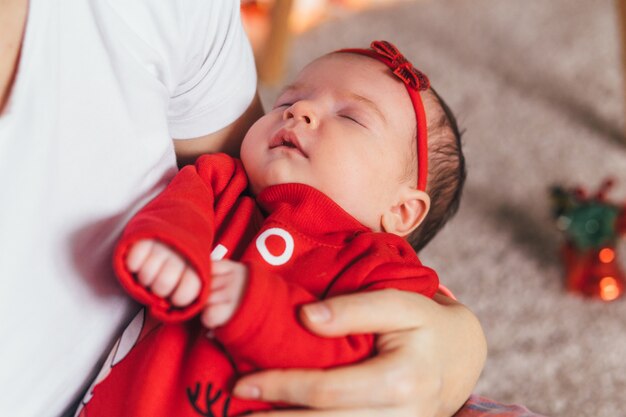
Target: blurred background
x=537, y=88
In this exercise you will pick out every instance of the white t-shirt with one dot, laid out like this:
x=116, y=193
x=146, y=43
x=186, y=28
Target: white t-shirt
x=102, y=87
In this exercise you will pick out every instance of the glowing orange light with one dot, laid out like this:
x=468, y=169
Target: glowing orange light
x=606, y=255
x=609, y=290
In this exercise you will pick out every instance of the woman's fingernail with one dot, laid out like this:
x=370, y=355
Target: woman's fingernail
x=251, y=392
x=317, y=313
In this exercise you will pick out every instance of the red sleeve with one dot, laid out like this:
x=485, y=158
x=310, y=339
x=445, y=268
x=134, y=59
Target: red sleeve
x=265, y=332
x=267, y=320
x=403, y=276
x=390, y=263
x=184, y=217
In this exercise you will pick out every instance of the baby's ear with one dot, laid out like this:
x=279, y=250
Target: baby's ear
x=404, y=217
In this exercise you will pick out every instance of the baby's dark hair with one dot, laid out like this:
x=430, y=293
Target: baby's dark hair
x=446, y=172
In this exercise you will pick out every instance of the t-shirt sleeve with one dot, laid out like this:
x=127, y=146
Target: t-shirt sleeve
x=217, y=81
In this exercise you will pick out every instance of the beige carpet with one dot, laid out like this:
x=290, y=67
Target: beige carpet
x=537, y=86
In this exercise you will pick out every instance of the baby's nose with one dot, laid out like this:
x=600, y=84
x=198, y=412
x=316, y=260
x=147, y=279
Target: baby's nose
x=302, y=112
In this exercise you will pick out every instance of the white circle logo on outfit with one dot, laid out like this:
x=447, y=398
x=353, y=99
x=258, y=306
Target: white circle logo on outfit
x=271, y=259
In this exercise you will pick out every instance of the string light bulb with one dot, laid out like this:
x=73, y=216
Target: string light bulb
x=606, y=255
x=609, y=288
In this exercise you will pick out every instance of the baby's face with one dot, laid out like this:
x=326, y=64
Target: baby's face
x=344, y=127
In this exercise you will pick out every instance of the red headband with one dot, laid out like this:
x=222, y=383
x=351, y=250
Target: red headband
x=415, y=81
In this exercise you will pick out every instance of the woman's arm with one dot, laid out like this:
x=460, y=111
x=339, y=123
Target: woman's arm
x=227, y=140
x=430, y=355
x=12, y=22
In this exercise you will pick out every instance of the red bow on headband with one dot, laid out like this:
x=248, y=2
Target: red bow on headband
x=401, y=66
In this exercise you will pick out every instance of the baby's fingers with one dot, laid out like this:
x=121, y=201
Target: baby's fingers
x=153, y=264
x=215, y=315
x=188, y=288
x=225, y=267
x=169, y=276
x=138, y=254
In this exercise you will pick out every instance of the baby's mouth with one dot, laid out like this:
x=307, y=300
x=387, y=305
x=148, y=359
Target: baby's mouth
x=287, y=139
x=287, y=144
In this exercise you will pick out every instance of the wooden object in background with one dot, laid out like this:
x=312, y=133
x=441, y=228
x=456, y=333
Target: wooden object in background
x=621, y=11
x=271, y=65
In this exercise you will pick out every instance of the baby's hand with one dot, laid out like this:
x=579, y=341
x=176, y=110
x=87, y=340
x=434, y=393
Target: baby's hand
x=227, y=286
x=164, y=272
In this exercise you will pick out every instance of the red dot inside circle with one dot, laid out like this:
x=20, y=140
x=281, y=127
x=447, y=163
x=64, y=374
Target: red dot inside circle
x=275, y=245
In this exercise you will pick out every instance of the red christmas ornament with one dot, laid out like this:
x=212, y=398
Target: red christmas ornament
x=592, y=227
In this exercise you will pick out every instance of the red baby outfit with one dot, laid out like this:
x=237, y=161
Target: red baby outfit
x=299, y=247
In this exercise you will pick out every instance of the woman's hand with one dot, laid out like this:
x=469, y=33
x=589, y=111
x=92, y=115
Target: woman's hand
x=430, y=355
